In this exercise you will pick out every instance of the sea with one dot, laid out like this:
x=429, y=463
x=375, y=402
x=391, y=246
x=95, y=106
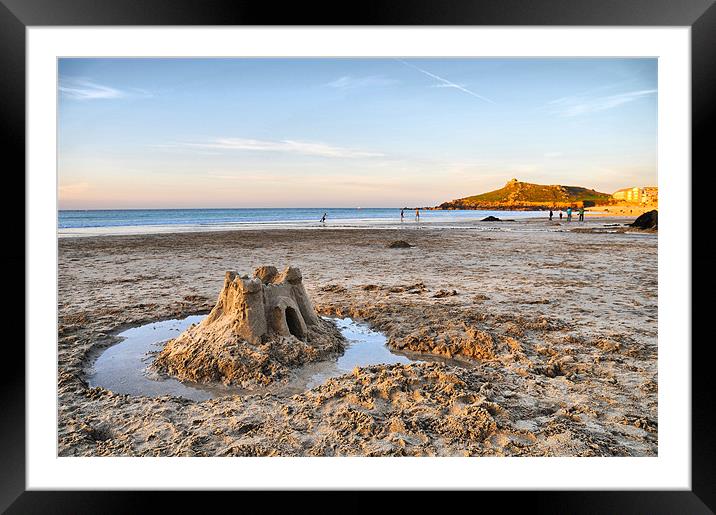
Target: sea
x=139, y=221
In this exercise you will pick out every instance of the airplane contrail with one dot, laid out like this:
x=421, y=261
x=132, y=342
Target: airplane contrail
x=447, y=82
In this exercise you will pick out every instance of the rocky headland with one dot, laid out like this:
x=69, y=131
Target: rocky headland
x=524, y=196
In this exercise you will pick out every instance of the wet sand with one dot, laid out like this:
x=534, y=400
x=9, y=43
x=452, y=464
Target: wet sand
x=556, y=325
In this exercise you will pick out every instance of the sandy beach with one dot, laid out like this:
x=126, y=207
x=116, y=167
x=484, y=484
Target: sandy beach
x=629, y=211
x=540, y=340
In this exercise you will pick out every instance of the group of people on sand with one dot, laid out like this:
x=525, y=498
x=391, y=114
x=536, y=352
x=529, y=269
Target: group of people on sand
x=569, y=214
x=551, y=215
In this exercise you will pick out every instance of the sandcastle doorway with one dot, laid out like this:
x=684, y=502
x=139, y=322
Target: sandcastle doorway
x=294, y=323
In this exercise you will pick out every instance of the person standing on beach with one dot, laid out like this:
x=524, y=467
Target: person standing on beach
x=550, y=215
x=560, y=215
x=581, y=214
x=569, y=214
x=323, y=218
x=417, y=214
x=402, y=215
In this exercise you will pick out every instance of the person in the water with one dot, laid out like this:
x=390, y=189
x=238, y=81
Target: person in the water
x=323, y=218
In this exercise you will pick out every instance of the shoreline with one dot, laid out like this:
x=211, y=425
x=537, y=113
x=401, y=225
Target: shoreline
x=347, y=224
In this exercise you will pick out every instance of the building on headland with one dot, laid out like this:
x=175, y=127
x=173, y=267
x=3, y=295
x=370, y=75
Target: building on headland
x=636, y=195
x=650, y=195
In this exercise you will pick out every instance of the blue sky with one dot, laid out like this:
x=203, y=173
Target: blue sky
x=142, y=133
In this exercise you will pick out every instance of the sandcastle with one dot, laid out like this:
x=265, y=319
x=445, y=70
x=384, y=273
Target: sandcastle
x=260, y=328
x=267, y=304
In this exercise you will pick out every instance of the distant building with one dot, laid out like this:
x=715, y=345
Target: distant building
x=650, y=195
x=619, y=195
x=636, y=195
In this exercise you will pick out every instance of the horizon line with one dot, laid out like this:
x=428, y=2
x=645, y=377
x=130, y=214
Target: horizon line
x=218, y=208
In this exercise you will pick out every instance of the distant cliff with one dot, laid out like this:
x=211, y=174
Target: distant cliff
x=516, y=195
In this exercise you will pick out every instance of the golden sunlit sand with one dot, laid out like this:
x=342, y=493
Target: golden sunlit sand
x=542, y=341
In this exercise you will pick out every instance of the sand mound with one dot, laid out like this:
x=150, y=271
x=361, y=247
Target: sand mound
x=259, y=328
x=400, y=244
x=648, y=220
x=454, y=340
x=444, y=293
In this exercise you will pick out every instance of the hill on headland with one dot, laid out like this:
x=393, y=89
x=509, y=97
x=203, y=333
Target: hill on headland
x=516, y=195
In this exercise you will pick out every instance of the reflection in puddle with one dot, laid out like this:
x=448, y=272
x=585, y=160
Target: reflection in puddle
x=123, y=367
x=364, y=347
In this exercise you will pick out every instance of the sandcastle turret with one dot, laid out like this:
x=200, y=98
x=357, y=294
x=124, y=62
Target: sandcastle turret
x=259, y=326
x=267, y=304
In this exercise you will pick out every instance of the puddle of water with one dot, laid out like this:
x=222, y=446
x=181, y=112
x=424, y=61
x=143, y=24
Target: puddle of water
x=365, y=347
x=123, y=367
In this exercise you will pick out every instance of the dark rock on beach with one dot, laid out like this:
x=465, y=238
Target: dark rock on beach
x=648, y=220
x=491, y=219
x=400, y=244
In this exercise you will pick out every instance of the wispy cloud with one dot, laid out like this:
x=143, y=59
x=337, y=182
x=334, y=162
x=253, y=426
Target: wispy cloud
x=182, y=147
x=348, y=82
x=580, y=105
x=287, y=146
x=441, y=85
x=84, y=89
x=444, y=83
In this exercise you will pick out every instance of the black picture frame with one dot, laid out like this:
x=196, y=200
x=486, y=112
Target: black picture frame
x=700, y=15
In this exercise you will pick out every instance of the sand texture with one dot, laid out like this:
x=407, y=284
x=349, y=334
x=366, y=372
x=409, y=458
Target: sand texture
x=542, y=341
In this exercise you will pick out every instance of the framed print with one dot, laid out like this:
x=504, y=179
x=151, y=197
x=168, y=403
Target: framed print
x=412, y=248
